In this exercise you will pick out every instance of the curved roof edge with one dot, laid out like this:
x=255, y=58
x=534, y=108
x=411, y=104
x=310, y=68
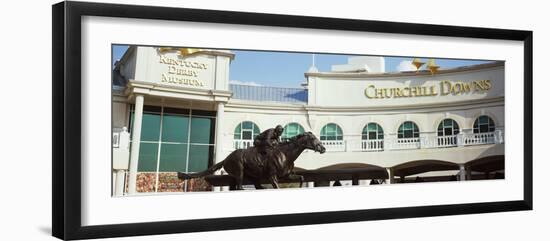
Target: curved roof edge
x=407, y=73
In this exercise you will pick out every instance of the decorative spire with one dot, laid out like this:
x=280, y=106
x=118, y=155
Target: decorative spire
x=432, y=66
x=182, y=51
x=417, y=63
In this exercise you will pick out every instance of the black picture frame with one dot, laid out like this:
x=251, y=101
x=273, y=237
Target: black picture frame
x=66, y=122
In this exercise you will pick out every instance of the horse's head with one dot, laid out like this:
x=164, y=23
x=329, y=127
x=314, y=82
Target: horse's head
x=310, y=141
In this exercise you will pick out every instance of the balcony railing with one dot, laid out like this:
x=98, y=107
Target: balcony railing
x=446, y=141
x=242, y=144
x=391, y=142
x=480, y=138
x=372, y=145
x=334, y=145
x=406, y=143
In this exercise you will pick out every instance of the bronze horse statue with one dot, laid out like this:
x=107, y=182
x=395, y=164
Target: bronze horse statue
x=250, y=164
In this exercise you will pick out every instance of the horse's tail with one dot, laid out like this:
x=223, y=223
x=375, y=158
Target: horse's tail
x=212, y=169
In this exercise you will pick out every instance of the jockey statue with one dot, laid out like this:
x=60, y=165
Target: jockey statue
x=267, y=140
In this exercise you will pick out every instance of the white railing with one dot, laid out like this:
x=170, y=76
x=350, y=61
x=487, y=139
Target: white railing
x=372, y=145
x=446, y=141
x=479, y=138
x=406, y=143
x=334, y=145
x=242, y=144
x=391, y=142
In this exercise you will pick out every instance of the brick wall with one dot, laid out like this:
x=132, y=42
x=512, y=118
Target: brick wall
x=168, y=182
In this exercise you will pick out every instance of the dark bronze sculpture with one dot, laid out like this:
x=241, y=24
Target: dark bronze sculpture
x=267, y=140
x=251, y=164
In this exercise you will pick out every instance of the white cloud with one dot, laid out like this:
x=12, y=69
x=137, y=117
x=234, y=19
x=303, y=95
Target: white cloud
x=405, y=65
x=237, y=82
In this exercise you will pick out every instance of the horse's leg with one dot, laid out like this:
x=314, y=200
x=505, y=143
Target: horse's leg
x=239, y=181
x=295, y=177
x=274, y=181
x=258, y=184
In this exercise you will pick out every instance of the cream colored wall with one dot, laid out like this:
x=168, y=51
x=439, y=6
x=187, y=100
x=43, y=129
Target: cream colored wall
x=150, y=68
x=339, y=91
x=120, y=114
x=352, y=125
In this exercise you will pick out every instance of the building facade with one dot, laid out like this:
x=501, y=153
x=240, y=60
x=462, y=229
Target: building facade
x=175, y=110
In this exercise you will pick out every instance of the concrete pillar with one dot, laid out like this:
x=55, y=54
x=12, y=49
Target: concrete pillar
x=310, y=184
x=136, y=138
x=119, y=183
x=462, y=172
x=218, y=152
x=391, y=179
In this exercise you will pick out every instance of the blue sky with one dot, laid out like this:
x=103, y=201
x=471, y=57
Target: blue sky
x=284, y=69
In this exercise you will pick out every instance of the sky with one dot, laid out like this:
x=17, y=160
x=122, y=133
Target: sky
x=286, y=69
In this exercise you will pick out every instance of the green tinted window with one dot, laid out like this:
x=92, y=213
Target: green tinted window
x=175, y=128
x=484, y=124
x=373, y=131
x=246, y=130
x=201, y=130
x=447, y=127
x=291, y=130
x=237, y=133
x=247, y=125
x=178, y=127
x=199, y=157
x=147, y=160
x=408, y=130
x=172, y=157
x=150, y=127
x=331, y=132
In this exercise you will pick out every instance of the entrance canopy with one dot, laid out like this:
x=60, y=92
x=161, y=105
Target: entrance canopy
x=486, y=164
x=422, y=166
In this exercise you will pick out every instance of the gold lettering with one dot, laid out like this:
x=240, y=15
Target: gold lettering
x=488, y=84
x=398, y=92
x=379, y=93
x=367, y=91
x=448, y=85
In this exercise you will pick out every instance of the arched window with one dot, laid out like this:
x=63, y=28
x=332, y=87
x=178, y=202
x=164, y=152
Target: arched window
x=484, y=124
x=292, y=130
x=373, y=131
x=331, y=132
x=408, y=130
x=246, y=130
x=446, y=132
x=447, y=127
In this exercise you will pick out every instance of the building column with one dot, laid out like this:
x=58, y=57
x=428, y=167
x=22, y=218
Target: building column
x=462, y=172
x=390, y=179
x=119, y=183
x=136, y=138
x=218, y=155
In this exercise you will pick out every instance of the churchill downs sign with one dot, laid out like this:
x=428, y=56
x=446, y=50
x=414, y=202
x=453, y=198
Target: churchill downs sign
x=445, y=87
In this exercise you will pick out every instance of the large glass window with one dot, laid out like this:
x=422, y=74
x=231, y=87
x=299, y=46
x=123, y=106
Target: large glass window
x=484, y=124
x=373, y=131
x=175, y=140
x=246, y=130
x=447, y=127
x=408, y=130
x=331, y=132
x=292, y=130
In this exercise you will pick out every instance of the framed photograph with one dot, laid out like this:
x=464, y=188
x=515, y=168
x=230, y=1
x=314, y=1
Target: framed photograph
x=172, y=120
